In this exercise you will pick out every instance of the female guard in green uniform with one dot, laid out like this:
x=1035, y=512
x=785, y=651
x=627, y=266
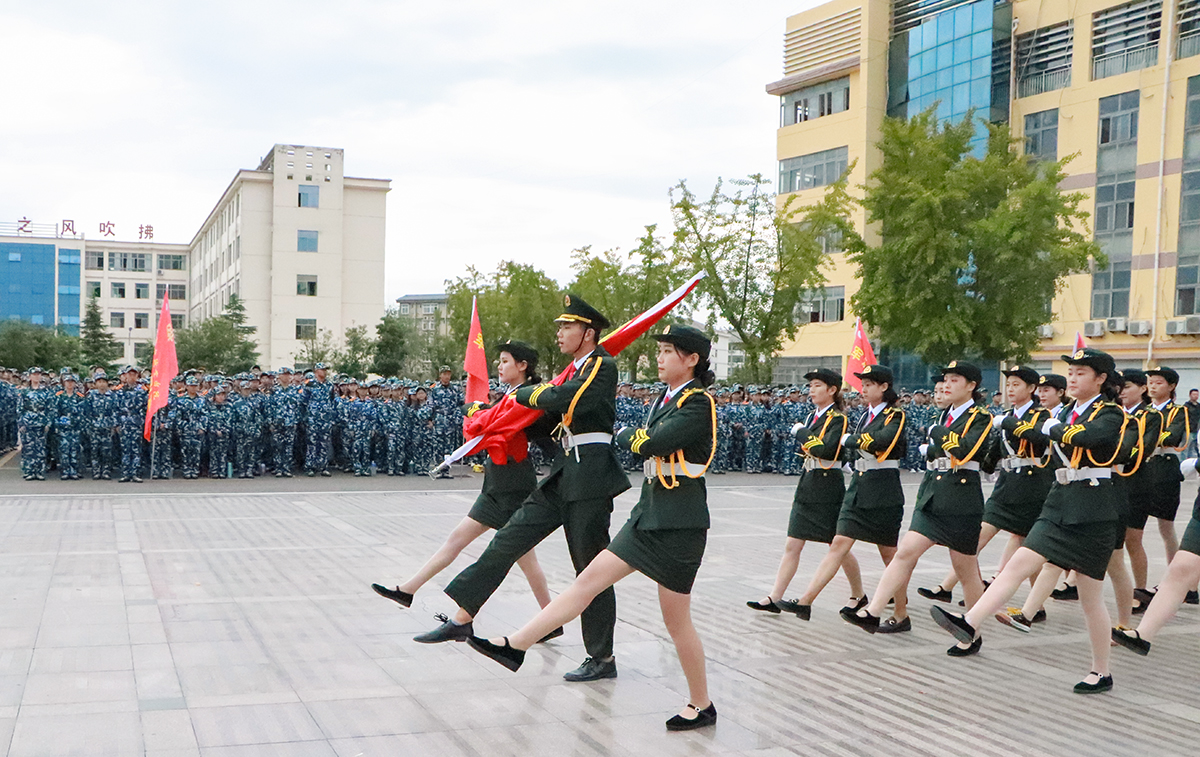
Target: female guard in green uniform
x=874, y=504
x=949, y=503
x=1079, y=520
x=505, y=487
x=665, y=536
x=819, y=492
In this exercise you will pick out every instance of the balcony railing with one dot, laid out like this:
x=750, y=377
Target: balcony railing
x=1127, y=60
x=1044, y=81
x=1189, y=44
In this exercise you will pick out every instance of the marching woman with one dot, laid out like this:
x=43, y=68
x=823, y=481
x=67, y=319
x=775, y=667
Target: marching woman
x=874, y=504
x=949, y=503
x=819, y=492
x=1078, y=524
x=505, y=486
x=665, y=536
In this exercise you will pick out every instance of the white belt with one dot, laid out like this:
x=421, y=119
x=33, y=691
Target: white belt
x=812, y=463
x=1013, y=463
x=945, y=464
x=1070, y=475
x=650, y=469
x=1165, y=452
x=570, y=441
x=864, y=464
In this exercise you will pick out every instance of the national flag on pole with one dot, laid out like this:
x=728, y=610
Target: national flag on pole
x=475, y=361
x=165, y=367
x=861, y=355
x=1079, y=343
x=492, y=428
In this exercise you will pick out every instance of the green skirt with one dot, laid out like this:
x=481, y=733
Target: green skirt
x=669, y=557
x=816, y=505
x=1191, y=537
x=493, y=509
x=873, y=508
x=1083, y=547
x=958, y=532
x=1013, y=517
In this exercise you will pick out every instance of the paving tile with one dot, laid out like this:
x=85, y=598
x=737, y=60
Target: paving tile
x=253, y=724
x=68, y=688
x=89, y=735
x=374, y=717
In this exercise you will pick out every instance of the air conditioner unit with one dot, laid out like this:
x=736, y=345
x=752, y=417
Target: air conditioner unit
x=1046, y=331
x=1093, y=329
x=1176, y=327
x=1116, y=325
x=1192, y=325
x=1139, y=328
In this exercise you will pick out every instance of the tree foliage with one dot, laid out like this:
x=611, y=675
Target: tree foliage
x=392, y=344
x=97, y=345
x=760, y=258
x=354, y=357
x=24, y=345
x=222, y=343
x=973, y=250
x=321, y=348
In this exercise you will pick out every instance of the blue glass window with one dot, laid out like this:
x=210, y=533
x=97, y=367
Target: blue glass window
x=14, y=257
x=961, y=99
x=306, y=241
x=945, y=77
x=981, y=93
x=945, y=26
x=962, y=50
x=981, y=68
x=945, y=56
x=983, y=16
x=962, y=73
x=981, y=45
x=68, y=290
x=309, y=196
x=37, y=319
x=963, y=21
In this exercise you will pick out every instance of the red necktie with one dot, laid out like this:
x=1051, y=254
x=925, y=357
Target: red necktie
x=1074, y=417
x=949, y=419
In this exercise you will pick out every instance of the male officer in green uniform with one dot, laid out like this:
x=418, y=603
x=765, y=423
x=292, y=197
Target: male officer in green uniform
x=577, y=494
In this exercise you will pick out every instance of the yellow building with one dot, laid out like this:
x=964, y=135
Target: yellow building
x=1086, y=78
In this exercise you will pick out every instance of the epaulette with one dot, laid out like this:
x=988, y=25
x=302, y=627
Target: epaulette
x=688, y=393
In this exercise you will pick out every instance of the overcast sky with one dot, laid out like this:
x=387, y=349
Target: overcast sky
x=515, y=130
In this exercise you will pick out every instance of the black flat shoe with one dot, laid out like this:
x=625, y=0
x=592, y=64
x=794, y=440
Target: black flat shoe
x=862, y=602
x=402, y=598
x=891, y=625
x=447, y=631
x=703, y=719
x=868, y=622
x=1131, y=640
x=1139, y=607
x=955, y=624
x=1039, y=616
x=592, y=670
x=768, y=606
x=552, y=635
x=957, y=651
x=1069, y=593
x=804, y=612
x=1099, y=687
x=937, y=595
x=505, y=655
x=1192, y=598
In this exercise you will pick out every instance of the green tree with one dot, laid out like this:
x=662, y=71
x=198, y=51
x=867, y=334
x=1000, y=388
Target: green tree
x=222, y=343
x=97, y=345
x=243, y=351
x=392, y=344
x=760, y=258
x=354, y=357
x=517, y=301
x=321, y=348
x=973, y=250
x=24, y=345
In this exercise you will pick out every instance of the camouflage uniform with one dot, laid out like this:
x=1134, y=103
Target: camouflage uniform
x=219, y=424
x=71, y=410
x=131, y=415
x=190, y=419
x=37, y=409
x=284, y=406
x=319, y=412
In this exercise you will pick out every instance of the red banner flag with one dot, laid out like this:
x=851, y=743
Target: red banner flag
x=1079, y=343
x=861, y=355
x=165, y=367
x=475, y=361
x=493, y=427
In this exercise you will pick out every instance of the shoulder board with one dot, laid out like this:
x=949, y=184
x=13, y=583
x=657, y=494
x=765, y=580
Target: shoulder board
x=889, y=412
x=977, y=409
x=688, y=393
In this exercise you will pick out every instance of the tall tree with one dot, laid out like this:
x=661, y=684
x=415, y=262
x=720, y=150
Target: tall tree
x=760, y=258
x=97, y=345
x=243, y=351
x=973, y=250
x=24, y=345
x=354, y=357
x=392, y=344
x=222, y=343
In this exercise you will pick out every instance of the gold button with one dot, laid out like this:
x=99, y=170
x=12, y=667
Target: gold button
x=939, y=478
x=963, y=481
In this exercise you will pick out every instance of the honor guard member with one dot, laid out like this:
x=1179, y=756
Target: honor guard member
x=319, y=411
x=577, y=494
x=72, y=417
x=131, y=409
x=1078, y=524
x=37, y=412
x=190, y=420
x=283, y=408
x=219, y=427
x=102, y=413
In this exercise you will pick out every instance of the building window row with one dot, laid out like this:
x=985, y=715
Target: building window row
x=1125, y=38
x=171, y=291
x=306, y=286
x=814, y=170
x=127, y=261
x=172, y=262
x=822, y=305
x=1041, y=135
x=309, y=196
x=819, y=100
x=306, y=328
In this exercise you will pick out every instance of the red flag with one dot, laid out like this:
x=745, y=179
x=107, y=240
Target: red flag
x=1079, y=344
x=861, y=355
x=493, y=427
x=475, y=361
x=165, y=367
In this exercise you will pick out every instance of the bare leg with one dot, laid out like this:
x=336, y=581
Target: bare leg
x=1183, y=572
x=529, y=565
x=1169, y=537
x=677, y=615
x=987, y=532
x=1014, y=543
x=853, y=574
x=896, y=574
x=828, y=568
x=1137, y=556
x=1043, y=585
x=787, y=568
x=1122, y=588
x=967, y=566
x=467, y=531
x=900, y=607
x=1023, y=563
x=603, y=571
x=1099, y=625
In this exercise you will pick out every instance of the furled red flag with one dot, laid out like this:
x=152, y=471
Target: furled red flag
x=1079, y=343
x=165, y=367
x=475, y=361
x=493, y=427
x=861, y=355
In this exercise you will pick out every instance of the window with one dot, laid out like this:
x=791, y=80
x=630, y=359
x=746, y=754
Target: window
x=306, y=241
x=172, y=262
x=127, y=261
x=64, y=289
x=93, y=288
x=306, y=328
x=822, y=99
x=1125, y=38
x=174, y=291
x=309, y=196
x=1119, y=118
x=116, y=320
x=141, y=320
x=831, y=241
x=815, y=170
x=1041, y=135
x=94, y=260
x=404, y=309
x=68, y=320
x=1044, y=59
x=141, y=291
x=14, y=257
x=117, y=290
x=1110, y=287
x=1187, y=264
x=68, y=256
x=427, y=324
x=428, y=308
x=1114, y=203
x=306, y=286
x=822, y=305
x=178, y=321
x=1189, y=28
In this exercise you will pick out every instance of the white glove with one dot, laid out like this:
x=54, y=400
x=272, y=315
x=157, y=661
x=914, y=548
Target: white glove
x=1188, y=467
x=845, y=437
x=796, y=428
x=1049, y=424
x=923, y=449
x=847, y=469
x=999, y=419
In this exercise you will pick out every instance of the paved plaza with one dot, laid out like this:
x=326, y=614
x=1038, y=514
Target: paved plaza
x=236, y=618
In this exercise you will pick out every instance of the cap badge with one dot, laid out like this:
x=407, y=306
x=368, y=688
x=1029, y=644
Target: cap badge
x=566, y=300
x=953, y=364
x=1078, y=355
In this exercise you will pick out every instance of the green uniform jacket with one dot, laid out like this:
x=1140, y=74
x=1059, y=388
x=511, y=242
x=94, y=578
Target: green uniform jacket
x=821, y=439
x=956, y=492
x=687, y=425
x=1031, y=483
x=1172, y=433
x=882, y=439
x=513, y=476
x=588, y=403
x=1093, y=441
